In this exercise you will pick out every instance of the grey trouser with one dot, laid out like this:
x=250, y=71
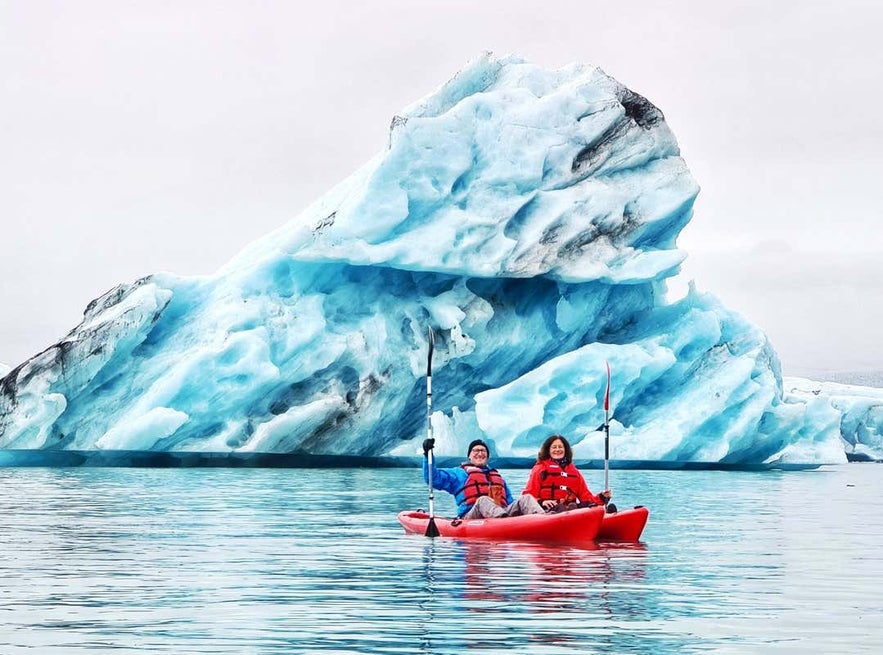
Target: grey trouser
x=485, y=508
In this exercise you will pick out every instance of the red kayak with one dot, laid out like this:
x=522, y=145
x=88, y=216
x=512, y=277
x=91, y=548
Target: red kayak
x=578, y=525
x=624, y=525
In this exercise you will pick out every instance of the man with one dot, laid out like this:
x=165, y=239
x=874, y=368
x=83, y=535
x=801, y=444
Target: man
x=480, y=491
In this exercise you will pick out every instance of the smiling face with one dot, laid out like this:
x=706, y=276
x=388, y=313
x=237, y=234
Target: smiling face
x=478, y=456
x=556, y=449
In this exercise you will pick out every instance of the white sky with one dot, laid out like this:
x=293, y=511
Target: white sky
x=145, y=136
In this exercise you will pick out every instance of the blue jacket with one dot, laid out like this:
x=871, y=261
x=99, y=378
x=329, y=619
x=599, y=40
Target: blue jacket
x=453, y=480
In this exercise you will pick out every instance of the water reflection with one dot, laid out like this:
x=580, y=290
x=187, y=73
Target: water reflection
x=548, y=578
x=524, y=595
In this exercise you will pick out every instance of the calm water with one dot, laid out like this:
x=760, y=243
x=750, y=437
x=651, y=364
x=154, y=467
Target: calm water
x=246, y=561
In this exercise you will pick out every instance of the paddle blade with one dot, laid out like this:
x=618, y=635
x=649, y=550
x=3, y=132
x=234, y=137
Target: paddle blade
x=607, y=393
x=431, y=528
x=431, y=348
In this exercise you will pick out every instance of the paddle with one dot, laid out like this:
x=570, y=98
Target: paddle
x=431, y=528
x=607, y=428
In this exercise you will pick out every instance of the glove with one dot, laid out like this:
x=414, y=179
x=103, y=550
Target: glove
x=428, y=444
x=604, y=498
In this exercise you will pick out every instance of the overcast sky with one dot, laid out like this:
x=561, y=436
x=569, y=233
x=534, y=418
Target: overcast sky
x=138, y=137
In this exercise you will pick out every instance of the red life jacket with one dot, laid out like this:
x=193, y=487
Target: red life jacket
x=483, y=482
x=557, y=483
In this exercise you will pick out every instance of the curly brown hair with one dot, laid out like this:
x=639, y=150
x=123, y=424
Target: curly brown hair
x=547, y=444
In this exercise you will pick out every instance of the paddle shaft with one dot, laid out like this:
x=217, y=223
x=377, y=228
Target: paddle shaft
x=607, y=430
x=431, y=529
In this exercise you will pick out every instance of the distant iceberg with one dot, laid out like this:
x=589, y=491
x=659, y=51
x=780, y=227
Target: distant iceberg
x=860, y=409
x=530, y=217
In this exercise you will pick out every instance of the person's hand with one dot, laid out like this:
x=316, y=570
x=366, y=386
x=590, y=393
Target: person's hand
x=549, y=504
x=605, y=496
x=428, y=444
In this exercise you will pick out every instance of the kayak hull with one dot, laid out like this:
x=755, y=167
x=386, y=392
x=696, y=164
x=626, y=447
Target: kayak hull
x=624, y=525
x=574, y=526
x=579, y=525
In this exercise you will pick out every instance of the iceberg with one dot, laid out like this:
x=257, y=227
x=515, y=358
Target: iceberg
x=528, y=216
x=860, y=409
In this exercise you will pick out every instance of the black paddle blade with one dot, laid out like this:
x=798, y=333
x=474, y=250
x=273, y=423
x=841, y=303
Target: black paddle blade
x=431, y=528
x=431, y=348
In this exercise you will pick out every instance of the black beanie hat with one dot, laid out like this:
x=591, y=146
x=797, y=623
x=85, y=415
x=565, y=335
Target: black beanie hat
x=477, y=442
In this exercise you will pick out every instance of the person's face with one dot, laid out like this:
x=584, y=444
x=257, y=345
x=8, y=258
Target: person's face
x=556, y=449
x=478, y=456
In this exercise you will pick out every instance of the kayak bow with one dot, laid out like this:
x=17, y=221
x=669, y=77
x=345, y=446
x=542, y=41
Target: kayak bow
x=624, y=525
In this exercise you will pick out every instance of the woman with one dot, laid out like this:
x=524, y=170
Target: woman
x=556, y=482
